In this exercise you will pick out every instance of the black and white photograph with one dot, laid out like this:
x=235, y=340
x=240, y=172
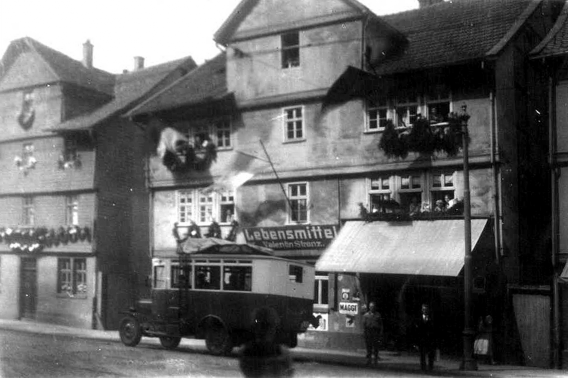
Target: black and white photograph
x=283, y=188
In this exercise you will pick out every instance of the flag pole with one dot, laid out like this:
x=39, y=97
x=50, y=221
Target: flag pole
x=276, y=174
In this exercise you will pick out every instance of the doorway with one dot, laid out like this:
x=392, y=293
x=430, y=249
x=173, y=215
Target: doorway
x=28, y=288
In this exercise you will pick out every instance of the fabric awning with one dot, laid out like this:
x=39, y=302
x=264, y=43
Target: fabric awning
x=433, y=248
x=564, y=276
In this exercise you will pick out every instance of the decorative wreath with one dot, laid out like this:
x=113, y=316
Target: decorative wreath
x=26, y=118
x=188, y=157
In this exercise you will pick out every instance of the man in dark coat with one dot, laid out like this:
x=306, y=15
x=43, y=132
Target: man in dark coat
x=373, y=328
x=427, y=337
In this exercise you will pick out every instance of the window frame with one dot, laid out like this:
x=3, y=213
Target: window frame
x=443, y=188
x=439, y=95
x=76, y=277
x=319, y=296
x=409, y=101
x=290, y=50
x=294, y=120
x=72, y=210
x=380, y=190
x=192, y=209
x=212, y=128
x=292, y=199
x=28, y=210
x=381, y=105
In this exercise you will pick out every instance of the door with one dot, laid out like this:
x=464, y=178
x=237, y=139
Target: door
x=28, y=288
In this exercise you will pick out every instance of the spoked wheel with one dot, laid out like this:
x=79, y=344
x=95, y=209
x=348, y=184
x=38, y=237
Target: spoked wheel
x=218, y=340
x=170, y=342
x=130, y=332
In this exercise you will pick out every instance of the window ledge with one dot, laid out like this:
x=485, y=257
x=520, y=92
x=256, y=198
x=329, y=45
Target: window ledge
x=367, y=131
x=290, y=141
x=74, y=296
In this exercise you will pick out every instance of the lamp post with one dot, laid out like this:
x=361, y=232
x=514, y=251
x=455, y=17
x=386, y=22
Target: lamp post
x=468, y=362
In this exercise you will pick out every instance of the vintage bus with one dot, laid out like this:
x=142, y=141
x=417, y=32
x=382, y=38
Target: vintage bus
x=211, y=290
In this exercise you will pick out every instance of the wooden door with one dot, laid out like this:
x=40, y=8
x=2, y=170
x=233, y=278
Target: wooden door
x=28, y=288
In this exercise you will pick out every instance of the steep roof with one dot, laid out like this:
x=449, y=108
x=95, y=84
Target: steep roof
x=63, y=67
x=455, y=31
x=556, y=41
x=207, y=82
x=129, y=90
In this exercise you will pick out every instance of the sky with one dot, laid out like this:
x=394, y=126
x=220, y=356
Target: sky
x=158, y=31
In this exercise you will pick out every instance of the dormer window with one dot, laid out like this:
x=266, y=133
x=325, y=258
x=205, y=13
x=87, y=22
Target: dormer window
x=290, y=50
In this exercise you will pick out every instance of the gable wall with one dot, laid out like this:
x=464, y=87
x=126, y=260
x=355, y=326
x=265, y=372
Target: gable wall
x=28, y=70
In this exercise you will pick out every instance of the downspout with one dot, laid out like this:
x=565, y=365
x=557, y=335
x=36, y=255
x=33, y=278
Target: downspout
x=496, y=197
x=362, y=52
x=554, y=224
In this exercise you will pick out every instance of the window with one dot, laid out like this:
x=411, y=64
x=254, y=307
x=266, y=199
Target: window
x=181, y=277
x=290, y=50
x=293, y=123
x=159, y=277
x=380, y=191
x=204, y=208
x=442, y=186
x=296, y=273
x=70, y=149
x=72, y=277
x=438, y=104
x=406, y=111
x=410, y=187
x=72, y=210
x=208, y=277
x=377, y=113
x=298, y=195
x=223, y=129
x=321, y=291
x=238, y=278
x=28, y=213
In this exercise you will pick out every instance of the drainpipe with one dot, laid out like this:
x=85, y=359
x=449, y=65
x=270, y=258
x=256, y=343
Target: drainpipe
x=496, y=207
x=555, y=350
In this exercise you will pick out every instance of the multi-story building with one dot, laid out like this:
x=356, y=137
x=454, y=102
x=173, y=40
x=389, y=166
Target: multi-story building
x=72, y=185
x=550, y=57
x=306, y=101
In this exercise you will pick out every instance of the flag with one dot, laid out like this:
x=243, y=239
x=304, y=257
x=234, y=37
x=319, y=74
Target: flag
x=170, y=140
x=240, y=171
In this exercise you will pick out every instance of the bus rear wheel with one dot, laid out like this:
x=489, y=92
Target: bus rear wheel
x=129, y=331
x=170, y=342
x=217, y=340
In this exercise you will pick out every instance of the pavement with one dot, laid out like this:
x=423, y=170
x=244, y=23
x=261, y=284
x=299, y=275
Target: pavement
x=400, y=362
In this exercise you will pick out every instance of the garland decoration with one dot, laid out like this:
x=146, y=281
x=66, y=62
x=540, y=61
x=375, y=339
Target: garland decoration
x=424, y=137
x=26, y=118
x=214, y=231
x=179, y=155
x=35, y=239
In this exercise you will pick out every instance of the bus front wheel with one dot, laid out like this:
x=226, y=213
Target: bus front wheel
x=170, y=342
x=217, y=340
x=130, y=332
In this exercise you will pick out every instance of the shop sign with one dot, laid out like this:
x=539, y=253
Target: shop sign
x=291, y=237
x=348, y=308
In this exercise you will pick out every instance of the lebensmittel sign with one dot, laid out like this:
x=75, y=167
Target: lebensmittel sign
x=291, y=237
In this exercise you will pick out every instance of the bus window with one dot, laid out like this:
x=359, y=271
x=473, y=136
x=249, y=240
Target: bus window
x=296, y=273
x=159, y=277
x=208, y=277
x=181, y=278
x=237, y=278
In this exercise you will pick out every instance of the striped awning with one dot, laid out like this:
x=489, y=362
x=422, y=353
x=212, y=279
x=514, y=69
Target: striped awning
x=433, y=248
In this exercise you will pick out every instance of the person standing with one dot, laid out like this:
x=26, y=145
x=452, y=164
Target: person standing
x=373, y=332
x=427, y=338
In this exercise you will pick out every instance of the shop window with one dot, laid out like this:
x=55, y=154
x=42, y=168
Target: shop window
x=72, y=277
x=208, y=277
x=298, y=196
x=72, y=210
x=377, y=113
x=238, y=278
x=290, y=47
x=321, y=291
x=296, y=273
x=293, y=124
x=28, y=211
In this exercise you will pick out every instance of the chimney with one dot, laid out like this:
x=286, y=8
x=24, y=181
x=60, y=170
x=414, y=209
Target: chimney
x=88, y=54
x=427, y=3
x=138, y=63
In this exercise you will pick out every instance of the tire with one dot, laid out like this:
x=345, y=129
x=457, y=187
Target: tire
x=170, y=342
x=217, y=339
x=130, y=332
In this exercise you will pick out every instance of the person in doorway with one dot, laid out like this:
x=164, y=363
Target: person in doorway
x=373, y=333
x=427, y=336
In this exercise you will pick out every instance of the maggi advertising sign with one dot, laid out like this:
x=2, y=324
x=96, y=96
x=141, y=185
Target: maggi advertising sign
x=291, y=237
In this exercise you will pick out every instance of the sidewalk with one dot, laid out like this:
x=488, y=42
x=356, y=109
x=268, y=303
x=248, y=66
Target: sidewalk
x=391, y=361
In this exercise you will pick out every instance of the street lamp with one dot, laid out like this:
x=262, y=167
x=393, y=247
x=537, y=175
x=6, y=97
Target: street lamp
x=468, y=362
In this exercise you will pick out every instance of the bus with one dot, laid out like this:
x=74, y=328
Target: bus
x=211, y=291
